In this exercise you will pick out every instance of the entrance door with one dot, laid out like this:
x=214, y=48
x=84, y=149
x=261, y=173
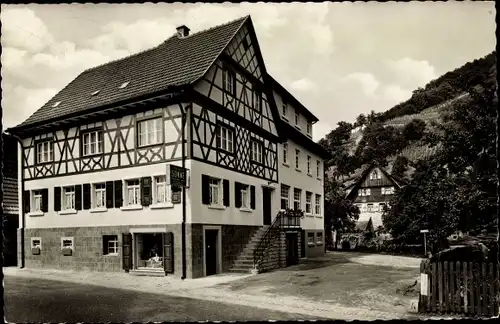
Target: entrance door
x=211, y=251
x=266, y=205
x=292, y=255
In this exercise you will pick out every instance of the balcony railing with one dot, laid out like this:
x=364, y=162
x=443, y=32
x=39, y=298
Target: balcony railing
x=290, y=218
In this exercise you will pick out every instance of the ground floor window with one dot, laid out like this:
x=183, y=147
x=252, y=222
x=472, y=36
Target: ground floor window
x=319, y=238
x=67, y=243
x=310, y=238
x=110, y=244
x=149, y=247
x=36, y=242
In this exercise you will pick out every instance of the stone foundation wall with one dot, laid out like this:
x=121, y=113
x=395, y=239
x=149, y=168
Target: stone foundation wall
x=275, y=256
x=88, y=248
x=316, y=249
x=233, y=240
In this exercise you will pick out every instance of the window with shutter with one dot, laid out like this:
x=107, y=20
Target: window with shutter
x=145, y=191
x=205, y=189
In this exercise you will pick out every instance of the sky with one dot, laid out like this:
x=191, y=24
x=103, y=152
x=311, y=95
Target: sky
x=338, y=59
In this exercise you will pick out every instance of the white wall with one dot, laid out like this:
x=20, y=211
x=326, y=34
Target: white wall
x=229, y=215
x=113, y=216
x=300, y=179
x=290, y=116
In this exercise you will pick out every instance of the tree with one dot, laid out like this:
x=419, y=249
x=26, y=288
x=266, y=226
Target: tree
x=414, y=130
x=340, y=213
x=399, y=167
x=456, y=188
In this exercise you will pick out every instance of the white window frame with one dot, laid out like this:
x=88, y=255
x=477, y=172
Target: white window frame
x=229, y=81
x=256, y=151
x=285, y=153
x=215, y=184
x=158, y=182
x=297, y=118
x=309, y=159
x=144, y=130
x=114, y=245
x=375, y=175
x=364, y=208
x=309, y=129
x=68, y=238
x=36, y=239
x=284, y=110
x=67, y=193
x=88, y=144
x=135, y=188
x=284, y=196
x=310, y=238
x=369, y=207
x=225, y=139
x=36, y=195
x=318, y=167
x=309, y=202
x=317, y=205
x=364, y=192
x=45, y=151
x=245, y=196
x=297, y=159
x=297, y=201
x=96, y=192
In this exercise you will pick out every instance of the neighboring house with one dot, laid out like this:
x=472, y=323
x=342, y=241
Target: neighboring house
x=10, y=203
x=104, y=161
x=371, y=191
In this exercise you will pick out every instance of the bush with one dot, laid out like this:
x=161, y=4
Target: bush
x=346, y=245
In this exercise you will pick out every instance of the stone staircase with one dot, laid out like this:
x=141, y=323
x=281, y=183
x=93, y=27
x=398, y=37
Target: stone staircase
x=244, y=261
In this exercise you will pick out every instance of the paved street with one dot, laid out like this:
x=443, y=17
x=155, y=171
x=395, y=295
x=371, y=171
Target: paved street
x=39, y=300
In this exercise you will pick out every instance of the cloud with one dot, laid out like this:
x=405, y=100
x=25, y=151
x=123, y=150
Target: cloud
x=367, y=81
x=23, y=30
x=397, y=94
x=303, y=84
x=412, y=72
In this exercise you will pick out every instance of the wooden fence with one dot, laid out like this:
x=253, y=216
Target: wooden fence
x=458, y=287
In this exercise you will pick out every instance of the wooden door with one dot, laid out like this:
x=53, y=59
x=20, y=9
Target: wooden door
x=168, y=252
x=292, y=255
x=127, y=251
x=211, y=252
x=266, y=205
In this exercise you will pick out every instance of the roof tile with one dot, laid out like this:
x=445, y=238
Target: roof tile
x=175, y=62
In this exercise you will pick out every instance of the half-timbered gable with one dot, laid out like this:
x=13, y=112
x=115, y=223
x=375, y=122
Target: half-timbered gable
x=152, y=136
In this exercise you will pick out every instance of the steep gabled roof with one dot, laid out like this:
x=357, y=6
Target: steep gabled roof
x=353, y=187
x=175, y=62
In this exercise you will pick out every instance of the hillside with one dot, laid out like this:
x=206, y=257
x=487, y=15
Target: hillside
x=399, y=132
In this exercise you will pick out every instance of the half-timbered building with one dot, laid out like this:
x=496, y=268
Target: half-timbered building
x=173, y=160
x=371, y=193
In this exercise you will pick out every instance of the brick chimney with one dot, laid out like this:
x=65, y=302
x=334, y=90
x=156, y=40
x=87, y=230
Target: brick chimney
x=182, y=31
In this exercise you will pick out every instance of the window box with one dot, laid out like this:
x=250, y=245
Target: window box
x=35, y=250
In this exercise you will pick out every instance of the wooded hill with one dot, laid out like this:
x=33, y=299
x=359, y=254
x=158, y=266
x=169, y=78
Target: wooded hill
x=400, y=133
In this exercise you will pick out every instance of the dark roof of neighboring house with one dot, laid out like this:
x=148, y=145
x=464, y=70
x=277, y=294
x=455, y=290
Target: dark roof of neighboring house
x=175, y=62
x=291, y=99
x=9, y=173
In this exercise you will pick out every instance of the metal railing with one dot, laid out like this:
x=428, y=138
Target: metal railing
x=287, y=218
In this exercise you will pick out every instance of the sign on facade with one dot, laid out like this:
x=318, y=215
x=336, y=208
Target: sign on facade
x=176, y=176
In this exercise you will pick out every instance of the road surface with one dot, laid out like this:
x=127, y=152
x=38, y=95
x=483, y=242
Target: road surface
x=37, y=300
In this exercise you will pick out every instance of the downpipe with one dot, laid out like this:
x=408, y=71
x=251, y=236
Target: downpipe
x=183, y=225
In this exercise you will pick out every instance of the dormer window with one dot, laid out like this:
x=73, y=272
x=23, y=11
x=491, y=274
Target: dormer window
x=95, y=93
x=56, y=104
x=124, y=84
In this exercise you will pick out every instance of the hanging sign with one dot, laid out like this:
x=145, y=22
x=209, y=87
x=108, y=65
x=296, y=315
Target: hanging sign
x=176, y=176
